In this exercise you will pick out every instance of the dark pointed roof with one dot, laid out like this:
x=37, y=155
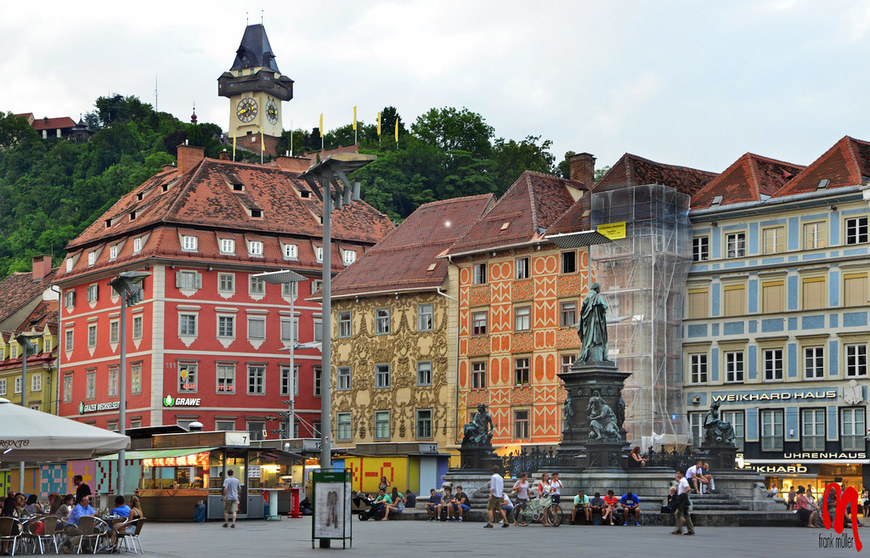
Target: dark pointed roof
x=255, y=50
x=749, y=178
x=632, y=170
x=846, y=163
x=408, y=257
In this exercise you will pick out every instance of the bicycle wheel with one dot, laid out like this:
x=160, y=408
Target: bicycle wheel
x=521, y=517
x=556, y=514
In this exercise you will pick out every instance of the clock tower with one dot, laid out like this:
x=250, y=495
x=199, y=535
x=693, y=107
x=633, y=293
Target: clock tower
x=255, y=89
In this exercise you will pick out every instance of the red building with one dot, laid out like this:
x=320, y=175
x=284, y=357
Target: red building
x=209, y=341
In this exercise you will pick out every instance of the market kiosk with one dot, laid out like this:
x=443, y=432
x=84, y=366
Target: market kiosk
x=180, y=471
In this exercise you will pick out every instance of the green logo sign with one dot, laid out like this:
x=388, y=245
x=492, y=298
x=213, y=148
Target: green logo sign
x=82, y=408
x=168, y=401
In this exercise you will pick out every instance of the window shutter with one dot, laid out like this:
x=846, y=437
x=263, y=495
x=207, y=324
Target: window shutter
x=177, y=279
x=96, y=292
x=199, y=280
x=73, y=298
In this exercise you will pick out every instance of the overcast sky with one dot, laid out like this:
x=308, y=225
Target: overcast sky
x=689, y=83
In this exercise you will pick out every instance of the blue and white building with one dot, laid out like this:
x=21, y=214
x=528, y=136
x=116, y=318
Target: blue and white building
x=776, y=315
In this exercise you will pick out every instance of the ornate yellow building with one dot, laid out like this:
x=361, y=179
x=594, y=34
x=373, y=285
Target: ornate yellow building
x=394, y=336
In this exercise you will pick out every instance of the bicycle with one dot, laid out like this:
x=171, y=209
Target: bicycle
x=533, y=511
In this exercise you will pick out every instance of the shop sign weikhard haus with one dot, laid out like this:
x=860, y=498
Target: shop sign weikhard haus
x=783, y=395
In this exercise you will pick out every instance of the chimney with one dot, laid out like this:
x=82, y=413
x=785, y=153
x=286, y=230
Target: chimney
x=189, y=157
x=224, y=156
x=41, y=267
x=582, y=168
x=293, y=164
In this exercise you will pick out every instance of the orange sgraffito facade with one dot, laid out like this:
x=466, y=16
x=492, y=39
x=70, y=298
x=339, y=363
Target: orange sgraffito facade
x=512, y=367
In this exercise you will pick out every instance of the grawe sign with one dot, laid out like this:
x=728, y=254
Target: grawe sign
x=846, y=498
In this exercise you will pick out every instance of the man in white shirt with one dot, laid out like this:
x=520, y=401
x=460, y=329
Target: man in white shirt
x=681, y=512
x=496, y=498
x=695, y=476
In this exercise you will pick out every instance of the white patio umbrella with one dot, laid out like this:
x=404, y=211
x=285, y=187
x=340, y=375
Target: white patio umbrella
x=28, y=435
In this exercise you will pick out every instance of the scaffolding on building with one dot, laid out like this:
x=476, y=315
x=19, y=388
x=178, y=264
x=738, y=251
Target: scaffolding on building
x=643, y=277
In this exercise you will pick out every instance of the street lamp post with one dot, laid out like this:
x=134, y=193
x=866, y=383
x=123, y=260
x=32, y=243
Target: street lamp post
x=27, y=349
x=128, y=285
x=293, y=278
x=328, y=180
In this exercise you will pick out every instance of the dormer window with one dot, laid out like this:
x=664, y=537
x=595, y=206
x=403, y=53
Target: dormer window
x=238, y=187
x=113, y=252
x=92, y=258
x=255, y=248
x=69, y=265
x=108, y=223
x=132, y=215
x=137, y=245
x=305, y=194
x=139, y=196
x=291, y=252
x=256, y=213
x=228, y=246
x=349, y=257
x=318, y=253
x=165, y=187
x=188, y=243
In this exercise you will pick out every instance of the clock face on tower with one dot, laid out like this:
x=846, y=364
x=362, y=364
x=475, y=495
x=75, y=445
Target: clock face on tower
x=272, y=111
x=247, y=109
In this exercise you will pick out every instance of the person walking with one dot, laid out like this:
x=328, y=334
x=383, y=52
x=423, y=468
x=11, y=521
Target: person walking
x=681, y=515
x=496, y=498
x=231, y=498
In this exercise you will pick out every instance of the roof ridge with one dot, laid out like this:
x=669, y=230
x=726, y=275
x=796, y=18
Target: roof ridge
x=454, y=200
x=530, y=190
x=668, y=164
x=772, y=160
x=753, y=175
x=850, y=146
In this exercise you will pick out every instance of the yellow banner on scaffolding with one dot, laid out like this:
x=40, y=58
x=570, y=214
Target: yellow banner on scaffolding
x=613, y=231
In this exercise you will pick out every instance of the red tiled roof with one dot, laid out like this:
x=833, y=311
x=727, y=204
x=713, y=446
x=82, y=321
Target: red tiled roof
x=632, y=170
x=532, y=204
x=204, y=200
x=19, y=289
x=53, y=123
x=575, y=219
x=45, y=314
x=749, y=178
x=846, y=163
x=407, y=258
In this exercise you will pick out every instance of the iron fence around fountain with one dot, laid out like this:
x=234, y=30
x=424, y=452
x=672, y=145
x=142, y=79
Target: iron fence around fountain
x=534, y=460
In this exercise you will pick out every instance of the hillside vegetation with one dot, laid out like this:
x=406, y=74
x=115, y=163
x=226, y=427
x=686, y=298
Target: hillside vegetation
x=51, y=189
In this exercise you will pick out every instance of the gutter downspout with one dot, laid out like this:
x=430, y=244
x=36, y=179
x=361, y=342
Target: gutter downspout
x=57, y=350
x=456, y=368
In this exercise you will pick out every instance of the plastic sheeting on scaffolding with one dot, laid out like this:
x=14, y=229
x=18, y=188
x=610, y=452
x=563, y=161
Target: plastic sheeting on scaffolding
x=643, y=276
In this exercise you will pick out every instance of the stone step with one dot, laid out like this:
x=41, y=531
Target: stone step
x=713, y=518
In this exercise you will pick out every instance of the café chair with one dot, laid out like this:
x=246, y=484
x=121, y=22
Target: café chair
x=7, y=525
x=88, y=525
x=133, y=538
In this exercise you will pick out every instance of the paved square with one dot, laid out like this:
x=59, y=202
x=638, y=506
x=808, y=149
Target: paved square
x=415, y=539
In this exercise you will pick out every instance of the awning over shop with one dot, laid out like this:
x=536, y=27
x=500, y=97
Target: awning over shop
x=188, y=457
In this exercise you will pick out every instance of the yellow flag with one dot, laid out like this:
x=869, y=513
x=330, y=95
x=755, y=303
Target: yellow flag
x=262, y=142
x=379, y=124
x=354, y=118
x=321, y=124
x=234, y=147
x=397, y=128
